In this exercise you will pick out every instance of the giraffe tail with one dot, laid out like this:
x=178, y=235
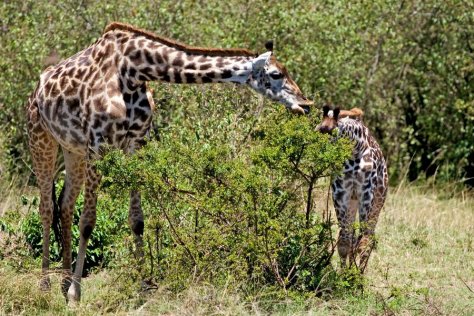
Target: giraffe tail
x=58, y=236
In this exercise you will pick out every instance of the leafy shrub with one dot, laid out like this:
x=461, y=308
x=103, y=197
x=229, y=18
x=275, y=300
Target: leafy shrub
x=222, y=208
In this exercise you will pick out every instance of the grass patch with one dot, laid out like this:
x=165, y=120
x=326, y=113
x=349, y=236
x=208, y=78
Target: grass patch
x=423, y=265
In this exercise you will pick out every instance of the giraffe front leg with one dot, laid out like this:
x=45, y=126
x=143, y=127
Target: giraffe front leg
x=137, y=225
x=365, y=246
x=135, y=212
x=136, y=222
x=86, y=226
x=345, y=246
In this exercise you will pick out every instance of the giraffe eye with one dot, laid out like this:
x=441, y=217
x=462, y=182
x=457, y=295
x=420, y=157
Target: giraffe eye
x=276, y=75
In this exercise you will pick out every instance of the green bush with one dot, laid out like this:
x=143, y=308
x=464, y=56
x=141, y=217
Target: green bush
x=221, y=208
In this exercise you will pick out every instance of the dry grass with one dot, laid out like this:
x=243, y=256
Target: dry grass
x=424, y=265
x=426, y=249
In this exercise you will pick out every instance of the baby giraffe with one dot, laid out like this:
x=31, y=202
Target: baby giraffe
x=362, y=186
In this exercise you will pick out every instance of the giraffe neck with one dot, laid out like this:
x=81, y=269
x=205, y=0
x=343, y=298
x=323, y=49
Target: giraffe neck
x=144, y=59
x=355, y=131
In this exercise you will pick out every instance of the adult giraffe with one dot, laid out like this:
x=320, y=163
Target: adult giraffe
x=99, y=96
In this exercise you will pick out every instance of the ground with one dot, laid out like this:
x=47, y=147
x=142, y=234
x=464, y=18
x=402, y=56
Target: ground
x=424, y=265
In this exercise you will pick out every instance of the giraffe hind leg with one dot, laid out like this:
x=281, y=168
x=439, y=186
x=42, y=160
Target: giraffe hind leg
x=44, y=149
x=352, y=211
x=367, y=242
x=341, y=199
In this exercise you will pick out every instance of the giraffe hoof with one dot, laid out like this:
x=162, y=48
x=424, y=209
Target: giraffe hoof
x=45, y=284
x=147, y=285
x=74, y=294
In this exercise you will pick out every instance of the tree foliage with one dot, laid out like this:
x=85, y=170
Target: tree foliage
x=408, y=64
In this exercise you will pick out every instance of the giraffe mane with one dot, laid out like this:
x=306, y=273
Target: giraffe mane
x=224, y=52
x=354, y=113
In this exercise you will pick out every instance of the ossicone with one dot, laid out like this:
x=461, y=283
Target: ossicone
x=326, y=109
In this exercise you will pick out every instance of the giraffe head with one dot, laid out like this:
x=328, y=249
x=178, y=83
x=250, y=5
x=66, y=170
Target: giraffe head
x=270, y=78
x=332, y=116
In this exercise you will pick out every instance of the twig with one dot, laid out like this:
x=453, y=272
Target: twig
x=386, y=309
x=309, y=201
x=468, y=287
x=196, y=224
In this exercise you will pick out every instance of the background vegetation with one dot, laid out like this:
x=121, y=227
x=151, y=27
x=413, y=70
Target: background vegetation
x=408, y=64
x=237, y=219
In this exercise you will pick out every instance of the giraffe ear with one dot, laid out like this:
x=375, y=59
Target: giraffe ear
x=261, y=60
x=269, y=45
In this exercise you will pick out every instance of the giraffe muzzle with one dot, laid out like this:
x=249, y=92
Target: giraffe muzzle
x=296, y=109
x=302, y=108
x=305, y=108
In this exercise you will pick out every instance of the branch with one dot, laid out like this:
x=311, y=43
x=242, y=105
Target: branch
x=175, y=189
x=178, y=238
x=290, y=278
x=273, y=264
x=302, y=252
x=328, y=215
x=305, y=176
x=151, y=256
